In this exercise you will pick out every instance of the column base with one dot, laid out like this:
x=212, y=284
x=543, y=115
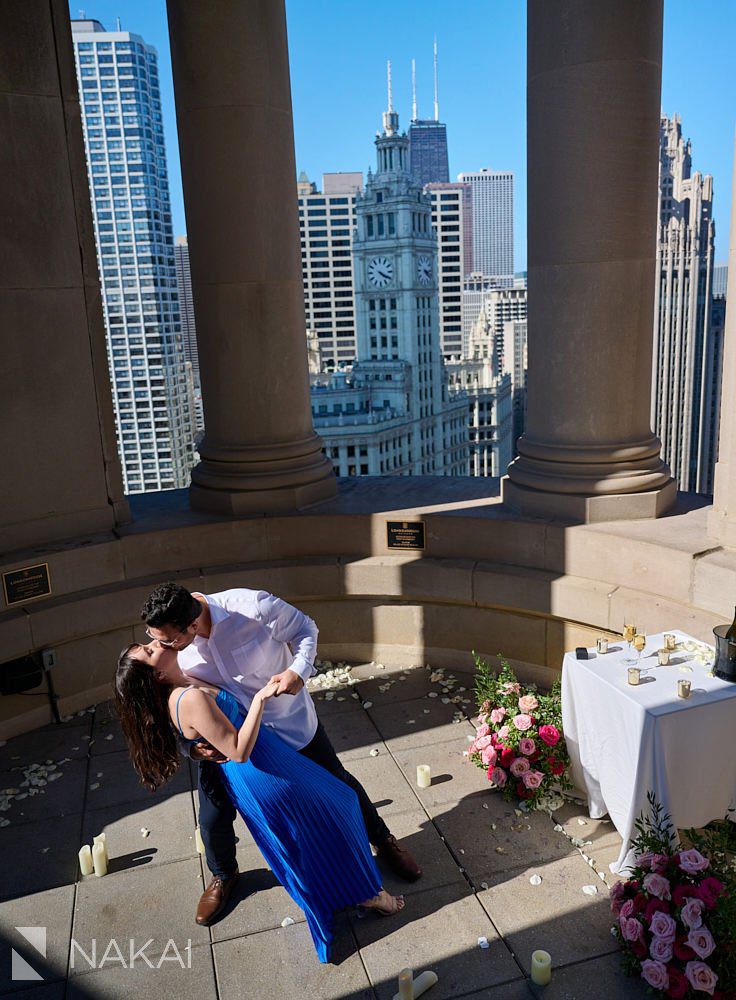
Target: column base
x=721, y=528
x=588, y=509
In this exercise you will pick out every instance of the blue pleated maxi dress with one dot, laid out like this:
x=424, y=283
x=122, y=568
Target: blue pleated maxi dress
x=306, y=823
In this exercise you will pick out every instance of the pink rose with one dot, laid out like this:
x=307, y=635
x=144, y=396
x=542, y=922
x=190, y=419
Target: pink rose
x=692, y=861
x=522, y=722
x=701, y=941
x=519, y=766
x=503, y=733
x=497, y=777
x=532, y=779
x=661, y=949
x=497, y=715
x=691, y=913
x=631, y=929
x=617, y=897
x=657, y=885
x=628, y=909
x=483, y=730
x=655, y=974
x=489, y=757
x=550, y=735
x=509, y=688
x=527, y=746
x=701, y=977
x=659, y=863
x=527, y=703
x=663, y=926
x=483, y=742
x=645, y=860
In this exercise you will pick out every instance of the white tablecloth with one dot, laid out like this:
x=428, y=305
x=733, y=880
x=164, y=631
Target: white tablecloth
x=625, y=741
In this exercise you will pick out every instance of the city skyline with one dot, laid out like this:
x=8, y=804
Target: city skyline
x=336, y=81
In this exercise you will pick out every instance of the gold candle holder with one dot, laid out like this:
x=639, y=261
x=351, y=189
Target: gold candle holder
x=634, y=675
x=683, y=689
x=670, y=641
x=601, y=644
x=663, y=655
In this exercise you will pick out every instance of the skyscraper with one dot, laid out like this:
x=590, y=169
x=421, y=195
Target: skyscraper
x=492, y=194
x=451, y=217
x=124, y=142
x=686, y=354
x=428, y=159
x=188, y=327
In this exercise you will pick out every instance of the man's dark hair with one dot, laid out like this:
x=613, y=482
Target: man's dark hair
x=170, y=604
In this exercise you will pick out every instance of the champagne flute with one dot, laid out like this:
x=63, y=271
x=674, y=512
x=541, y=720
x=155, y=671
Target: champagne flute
x=640, y=641
x=629, y=633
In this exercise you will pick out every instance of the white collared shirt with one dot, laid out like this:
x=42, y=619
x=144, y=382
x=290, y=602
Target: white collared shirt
x=247, y=645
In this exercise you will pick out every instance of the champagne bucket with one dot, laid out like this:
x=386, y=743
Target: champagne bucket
x=725, y=665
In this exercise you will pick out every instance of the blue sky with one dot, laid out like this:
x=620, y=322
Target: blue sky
x=339, y=48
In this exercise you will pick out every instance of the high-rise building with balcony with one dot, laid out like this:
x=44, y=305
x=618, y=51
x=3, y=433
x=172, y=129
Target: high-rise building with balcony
x=686, y=354
x=492, y=194
x=500, y=305
x=124, y=142
x=188, y=327
x=326, y=222
x=451, y=219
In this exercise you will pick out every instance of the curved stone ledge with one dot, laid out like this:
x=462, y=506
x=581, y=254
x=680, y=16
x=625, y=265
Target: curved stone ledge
x=487, y=580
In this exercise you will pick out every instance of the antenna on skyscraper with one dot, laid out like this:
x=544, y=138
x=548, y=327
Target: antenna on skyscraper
x=413, y=90
x=390, y=105
x=436, y=92
x=118, y=23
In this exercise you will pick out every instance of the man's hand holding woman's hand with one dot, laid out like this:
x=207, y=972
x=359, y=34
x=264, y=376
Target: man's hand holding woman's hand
x=289, y=682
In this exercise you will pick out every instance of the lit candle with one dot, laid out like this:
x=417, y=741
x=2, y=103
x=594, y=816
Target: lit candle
x=406, y=985
x=424, y=775
x=99, y=860
x=85, y=860
x=101, y=838
x=663, y=655
x=198, y=841
x=670, y=640
x=541, y=967
x=683, y=689
x=601, y=644
x=634, y=675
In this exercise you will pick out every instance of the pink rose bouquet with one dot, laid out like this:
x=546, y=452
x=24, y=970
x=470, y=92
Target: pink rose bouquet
x=518, y=740
x=675, y=915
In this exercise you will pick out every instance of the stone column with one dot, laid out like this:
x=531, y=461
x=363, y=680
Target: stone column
x=722, y=516
x=260, y=453
x=593, y=93
x=61, y=474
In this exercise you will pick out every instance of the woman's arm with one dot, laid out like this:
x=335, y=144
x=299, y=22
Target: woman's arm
x=203, y=715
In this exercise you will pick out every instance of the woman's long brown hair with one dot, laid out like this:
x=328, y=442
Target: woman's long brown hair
x=142, y=706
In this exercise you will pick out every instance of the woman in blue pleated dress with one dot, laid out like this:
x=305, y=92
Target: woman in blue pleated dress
x=306, y=823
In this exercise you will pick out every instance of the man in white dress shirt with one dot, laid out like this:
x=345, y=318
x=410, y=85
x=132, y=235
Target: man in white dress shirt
x=240, y=640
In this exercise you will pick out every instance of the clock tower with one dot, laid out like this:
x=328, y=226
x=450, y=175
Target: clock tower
x=396, y=292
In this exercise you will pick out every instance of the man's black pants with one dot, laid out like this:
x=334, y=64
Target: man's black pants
x=217, y=813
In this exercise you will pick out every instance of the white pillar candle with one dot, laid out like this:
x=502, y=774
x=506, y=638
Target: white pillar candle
x=423, y=982
x=101, y=838
x=424, y=775
x=99, y=860
x=85, y=860
x=198, y=841
x=406, y=985
x=541, y=967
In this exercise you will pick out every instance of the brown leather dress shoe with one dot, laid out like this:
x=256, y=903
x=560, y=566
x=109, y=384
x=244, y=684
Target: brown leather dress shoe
x=399, y=860
x=213, y=899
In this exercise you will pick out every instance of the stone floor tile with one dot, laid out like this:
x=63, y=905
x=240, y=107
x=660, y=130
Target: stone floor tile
x=61, y=797
x=421, y=722
x=602, y=977
x=516, y=842
x=43, y=991
x=52, y=742
x=418, y=834
x=436, y=930
x=283, y=963
x=196, y=979
x=417, y=683
x=342, y=700
x=119, y=783
x=556, y=915
x=518, y=990
x=53, y=910
x=385, y=783
x=157, y=903
x=107, y=733
x=453, y=775
x=171, y=824
x=352, y=733
x=40, y=855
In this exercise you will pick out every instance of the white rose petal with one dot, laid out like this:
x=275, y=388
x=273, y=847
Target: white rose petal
x=535, y=880
x=483, y=942
x=590, y=890
x=287, y=921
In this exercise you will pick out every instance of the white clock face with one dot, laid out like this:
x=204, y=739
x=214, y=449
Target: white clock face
x=424, y=269
x=380, y=271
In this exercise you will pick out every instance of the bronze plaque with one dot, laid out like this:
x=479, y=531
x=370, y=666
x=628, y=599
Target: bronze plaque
x=405, y=534
x=26, y=584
